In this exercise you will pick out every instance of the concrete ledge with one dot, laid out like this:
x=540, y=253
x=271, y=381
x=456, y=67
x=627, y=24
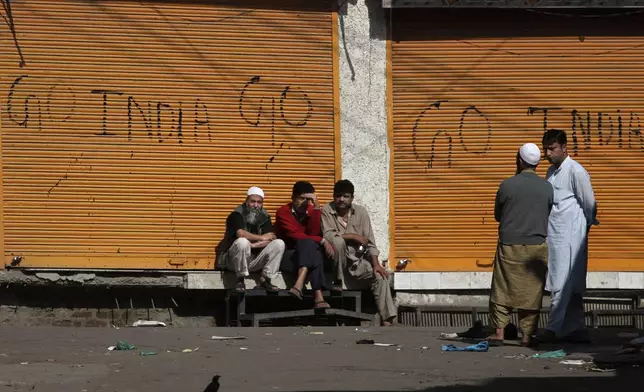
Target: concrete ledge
x=219, y=280
x=91, y=278
x=421, y=281
x=191, y=280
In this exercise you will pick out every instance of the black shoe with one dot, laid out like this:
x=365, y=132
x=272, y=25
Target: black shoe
x=240, y=286
x=579, y=336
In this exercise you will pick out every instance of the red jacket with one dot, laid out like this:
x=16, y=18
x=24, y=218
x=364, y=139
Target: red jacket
x=289, y=229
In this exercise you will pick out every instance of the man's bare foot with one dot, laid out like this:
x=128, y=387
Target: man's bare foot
x=388, y=322
x=528, y=342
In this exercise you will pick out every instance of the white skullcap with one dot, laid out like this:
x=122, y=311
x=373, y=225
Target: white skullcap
x=530, y=154
x=253, y=190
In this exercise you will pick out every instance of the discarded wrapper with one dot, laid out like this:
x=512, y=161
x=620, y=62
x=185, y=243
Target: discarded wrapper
x=576, y=362
x=316, y=333
x=550, y=354
x=450, y=335
x=228, y=338
x=147, y=353
x=479, y=347
x=373, y=343
x=124, y=346
x=148, y=323
x=600, y=370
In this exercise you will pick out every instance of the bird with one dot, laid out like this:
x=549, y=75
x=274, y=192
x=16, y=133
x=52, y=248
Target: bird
x=214, y=384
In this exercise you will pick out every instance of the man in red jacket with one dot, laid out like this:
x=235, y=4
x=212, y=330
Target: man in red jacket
x=298, y=225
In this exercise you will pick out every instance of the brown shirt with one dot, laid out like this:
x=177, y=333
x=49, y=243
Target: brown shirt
x=358, y=223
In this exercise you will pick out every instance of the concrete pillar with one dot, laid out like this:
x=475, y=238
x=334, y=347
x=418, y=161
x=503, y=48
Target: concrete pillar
x=363, y=97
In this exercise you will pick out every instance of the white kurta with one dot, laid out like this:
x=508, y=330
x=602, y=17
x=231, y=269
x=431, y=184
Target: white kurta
x=573, y=212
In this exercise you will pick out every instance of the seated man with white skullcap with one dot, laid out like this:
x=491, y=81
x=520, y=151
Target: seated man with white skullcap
x=250, y=243
x=522, y=206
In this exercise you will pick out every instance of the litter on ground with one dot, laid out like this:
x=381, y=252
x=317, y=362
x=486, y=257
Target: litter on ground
x=479, y=347
x=148, y=323
x=576, y=362
x=550, y=354
x=124, y=346
x=228, y=338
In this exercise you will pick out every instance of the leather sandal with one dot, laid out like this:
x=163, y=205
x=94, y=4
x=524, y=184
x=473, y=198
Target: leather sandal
x=321, y=305
x=295, y=292
x=268, y=286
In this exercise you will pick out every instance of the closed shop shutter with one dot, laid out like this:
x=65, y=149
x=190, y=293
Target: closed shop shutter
x=470, y=87
x=131, y=129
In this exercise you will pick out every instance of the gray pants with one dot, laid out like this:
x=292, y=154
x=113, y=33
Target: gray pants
x=240, y=259
x=362, y=270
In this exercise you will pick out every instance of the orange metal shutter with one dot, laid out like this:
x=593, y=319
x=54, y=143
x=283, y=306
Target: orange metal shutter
x=131, y=129
x=471, y=86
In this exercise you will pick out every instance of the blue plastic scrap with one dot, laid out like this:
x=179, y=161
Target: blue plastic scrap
x=479, y=347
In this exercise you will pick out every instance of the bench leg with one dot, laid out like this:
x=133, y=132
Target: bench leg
x=227, y=299
x=241, y=308
x=358, y=304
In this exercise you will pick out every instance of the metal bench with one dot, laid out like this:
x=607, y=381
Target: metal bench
x=240, y=302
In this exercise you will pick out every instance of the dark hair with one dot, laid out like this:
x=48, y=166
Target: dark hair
x=554, y=136
x=302, y=187
x=343, y=186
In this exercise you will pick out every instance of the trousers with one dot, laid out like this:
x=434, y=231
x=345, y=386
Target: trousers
x=309, y=254
x=362, y=270
x=500, y=318
x=241, y=259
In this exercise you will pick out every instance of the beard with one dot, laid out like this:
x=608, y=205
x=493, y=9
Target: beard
x=252, y=216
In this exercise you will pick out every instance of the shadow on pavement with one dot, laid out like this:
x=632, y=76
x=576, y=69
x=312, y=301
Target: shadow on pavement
x=622, y=379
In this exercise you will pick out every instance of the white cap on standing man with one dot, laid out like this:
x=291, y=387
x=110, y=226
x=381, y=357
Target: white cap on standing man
x=530, y=154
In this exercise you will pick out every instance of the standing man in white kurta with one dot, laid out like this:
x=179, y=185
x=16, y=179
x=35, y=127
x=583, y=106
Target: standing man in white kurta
x=573, y=213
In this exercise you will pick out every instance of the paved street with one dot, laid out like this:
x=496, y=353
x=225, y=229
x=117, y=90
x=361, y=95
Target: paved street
x=284, y=359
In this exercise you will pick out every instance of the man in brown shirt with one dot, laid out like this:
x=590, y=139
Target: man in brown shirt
x=348, y=228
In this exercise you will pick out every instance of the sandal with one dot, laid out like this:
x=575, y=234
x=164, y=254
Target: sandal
x=268, y=286
x=492, y=341
x=295, y=292
x=321, y=305
x=240, y=286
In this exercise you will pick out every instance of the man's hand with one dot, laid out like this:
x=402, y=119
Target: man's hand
x=268, y=237
x=312, y=198
x=328, y=249
x=380, y=270
x=362, y=239
x=259, y=244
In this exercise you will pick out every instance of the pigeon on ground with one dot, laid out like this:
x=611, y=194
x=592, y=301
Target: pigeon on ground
x=214, y=385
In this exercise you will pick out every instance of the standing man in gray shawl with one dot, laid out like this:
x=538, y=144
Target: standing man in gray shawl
x=522, y=206
x=250, y=243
